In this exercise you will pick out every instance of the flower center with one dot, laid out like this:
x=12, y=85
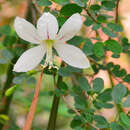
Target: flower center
x=49, y=44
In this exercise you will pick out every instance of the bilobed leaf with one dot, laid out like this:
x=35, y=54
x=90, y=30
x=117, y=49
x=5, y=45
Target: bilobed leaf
x=105, y=95
x=126, y=103
x=109, y=4
x=98, y=85
x=108, y=32
x=115, y=27
x=99, y=49
x=101, y=18
x=88, y=47
x=95, y=7
x=101, y=122
x=70, y=9
x=44, y=2
x=118, y=92
x=127, y=78
x=84, y=84
x=113, y=46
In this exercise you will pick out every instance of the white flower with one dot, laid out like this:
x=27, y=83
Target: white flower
x=46, y=37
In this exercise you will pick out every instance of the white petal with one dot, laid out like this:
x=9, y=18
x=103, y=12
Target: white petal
x=26, y=30
x=72, y=55
x=47, y=26
x=70, y=27
x=30, y=59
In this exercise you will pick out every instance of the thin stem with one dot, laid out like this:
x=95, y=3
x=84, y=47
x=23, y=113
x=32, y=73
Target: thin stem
x=117, y=15
x=55, y=105
x=30, y=116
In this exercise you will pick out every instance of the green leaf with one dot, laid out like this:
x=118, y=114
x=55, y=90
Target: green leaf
x=19, y=79
x=62, y=2
x=108, y=32
x=113, y=46
x=75, y=123
x=98, y=85
x=83, y=84
x=70, y=9
x=105, y=95
x=61, y=20
x=101, y=19
x=100, y=105
x=80, y=3
x=63, y=86
x=109, y=4
x=88, y=47
x=7, y=54
x=88, y=21
x=10, y=91
x=76, y=41
x=101, y=122
x=5, y=30
x=126, y=103
x=99, y=49
x=118, y=92
x=95, y=7
x=3, y=61
x=96, y=26
x=115, y=27
x=44, y=2
x=127, y=78
x=63, y=71
x=116, y=126
x=89, y=117
x=125, y=119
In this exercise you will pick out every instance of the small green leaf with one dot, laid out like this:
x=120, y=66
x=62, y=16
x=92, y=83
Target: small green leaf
x=19, y=79
x=125, y=119
x=109, y=4
x=118, y=92
x=88, y=47
x=70, y=9
x=105, y=95
x=101, y=122
x=44, y=2
x=98, y=85
x=116, y=126
x=83, y=83
x=80, y=3
x=88, y=21
x=10, y=91
x=126, y=103
x=99, y=49
x=96, y=26
x=5, y=30
x=127, y=78
x=113, y=46
x=115, y=27
x=101, y=19
x=108, y=32
x=62, y=2
x=95, y=7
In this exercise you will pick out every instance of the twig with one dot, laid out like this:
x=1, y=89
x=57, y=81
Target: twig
x=117, y=15
x=69, y=106
x=30, y=115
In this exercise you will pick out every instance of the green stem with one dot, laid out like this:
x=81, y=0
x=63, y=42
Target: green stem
x=54, y=109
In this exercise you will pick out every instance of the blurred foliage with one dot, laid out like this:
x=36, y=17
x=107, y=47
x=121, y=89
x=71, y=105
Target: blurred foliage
x=88, y=95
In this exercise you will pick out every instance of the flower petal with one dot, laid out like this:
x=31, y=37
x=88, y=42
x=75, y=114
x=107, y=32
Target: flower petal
x=72, y=55
x=70, y=27
x=30, y=59
x=26, y=30
x=47, y=26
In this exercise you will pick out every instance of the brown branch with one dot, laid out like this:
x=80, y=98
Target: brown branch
x=117, y=15
x=30, y=115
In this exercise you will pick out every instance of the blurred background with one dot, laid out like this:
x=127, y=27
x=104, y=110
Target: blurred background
x=21, y=101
